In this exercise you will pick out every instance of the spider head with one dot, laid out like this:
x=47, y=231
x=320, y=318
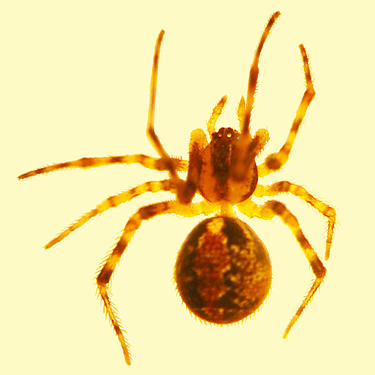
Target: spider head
x=229, y=172
x=222, y=146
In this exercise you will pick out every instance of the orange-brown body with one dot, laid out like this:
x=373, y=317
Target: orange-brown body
x=223, y=271
x=217, y=182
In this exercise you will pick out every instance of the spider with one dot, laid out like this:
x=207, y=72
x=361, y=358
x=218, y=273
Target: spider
x=223, y=270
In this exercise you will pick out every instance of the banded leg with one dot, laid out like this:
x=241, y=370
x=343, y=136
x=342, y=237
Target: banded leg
x=110, y=263
x=181, y=185
x=268, y=211
x=278, y=159
x=187, y=189
x=299, y=191
x=85, y=163
x=248, y=147
x=111, y=202
x=254, y=72
x=216, y=112
x=150, y=131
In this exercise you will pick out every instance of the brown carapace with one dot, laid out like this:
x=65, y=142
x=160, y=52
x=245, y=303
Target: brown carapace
x=223, y=271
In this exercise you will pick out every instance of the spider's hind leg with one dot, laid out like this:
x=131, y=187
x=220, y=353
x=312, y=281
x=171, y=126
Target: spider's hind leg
x=269, y=210
x=105, y=273
x=106, y=270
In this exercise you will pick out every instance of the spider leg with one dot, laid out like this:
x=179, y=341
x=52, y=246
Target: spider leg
x=269, y=210
x=254, y=72
x=278, y=159
x=110, y=263
x=111, y=202
x=216, y=112
x=247, y=147
x=153, y=138
x=187, y=189
x=85, y=163
x=150, y=131
x=299, y=191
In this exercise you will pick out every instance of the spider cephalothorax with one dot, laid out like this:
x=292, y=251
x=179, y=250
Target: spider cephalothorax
x=223, y=270
x=218, y=181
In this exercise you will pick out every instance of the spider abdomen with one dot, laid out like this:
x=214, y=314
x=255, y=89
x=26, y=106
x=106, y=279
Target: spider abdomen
x=223, y=271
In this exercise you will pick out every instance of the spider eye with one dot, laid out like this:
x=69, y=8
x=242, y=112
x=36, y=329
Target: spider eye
x=224, y=133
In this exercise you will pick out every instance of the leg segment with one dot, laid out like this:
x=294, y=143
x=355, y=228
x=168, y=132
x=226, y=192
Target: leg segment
x=111, y=202
x=247, y=147
x=254, y=71
x=188, y=188
x=217, y=111
x=110, y=263
x=274, y=208
x=153, y=138
x=85, y=163
x=277, y=160
x=288, y=187
x=181, y=185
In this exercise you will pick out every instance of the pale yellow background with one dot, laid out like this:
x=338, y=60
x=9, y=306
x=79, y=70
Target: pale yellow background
x=75, y=81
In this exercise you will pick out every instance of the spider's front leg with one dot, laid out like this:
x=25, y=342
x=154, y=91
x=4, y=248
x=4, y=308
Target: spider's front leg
x=277, y=160
x=185, y=189
x=268, y=211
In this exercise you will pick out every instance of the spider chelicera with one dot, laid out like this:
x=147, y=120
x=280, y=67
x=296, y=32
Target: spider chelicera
x=223, y=271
